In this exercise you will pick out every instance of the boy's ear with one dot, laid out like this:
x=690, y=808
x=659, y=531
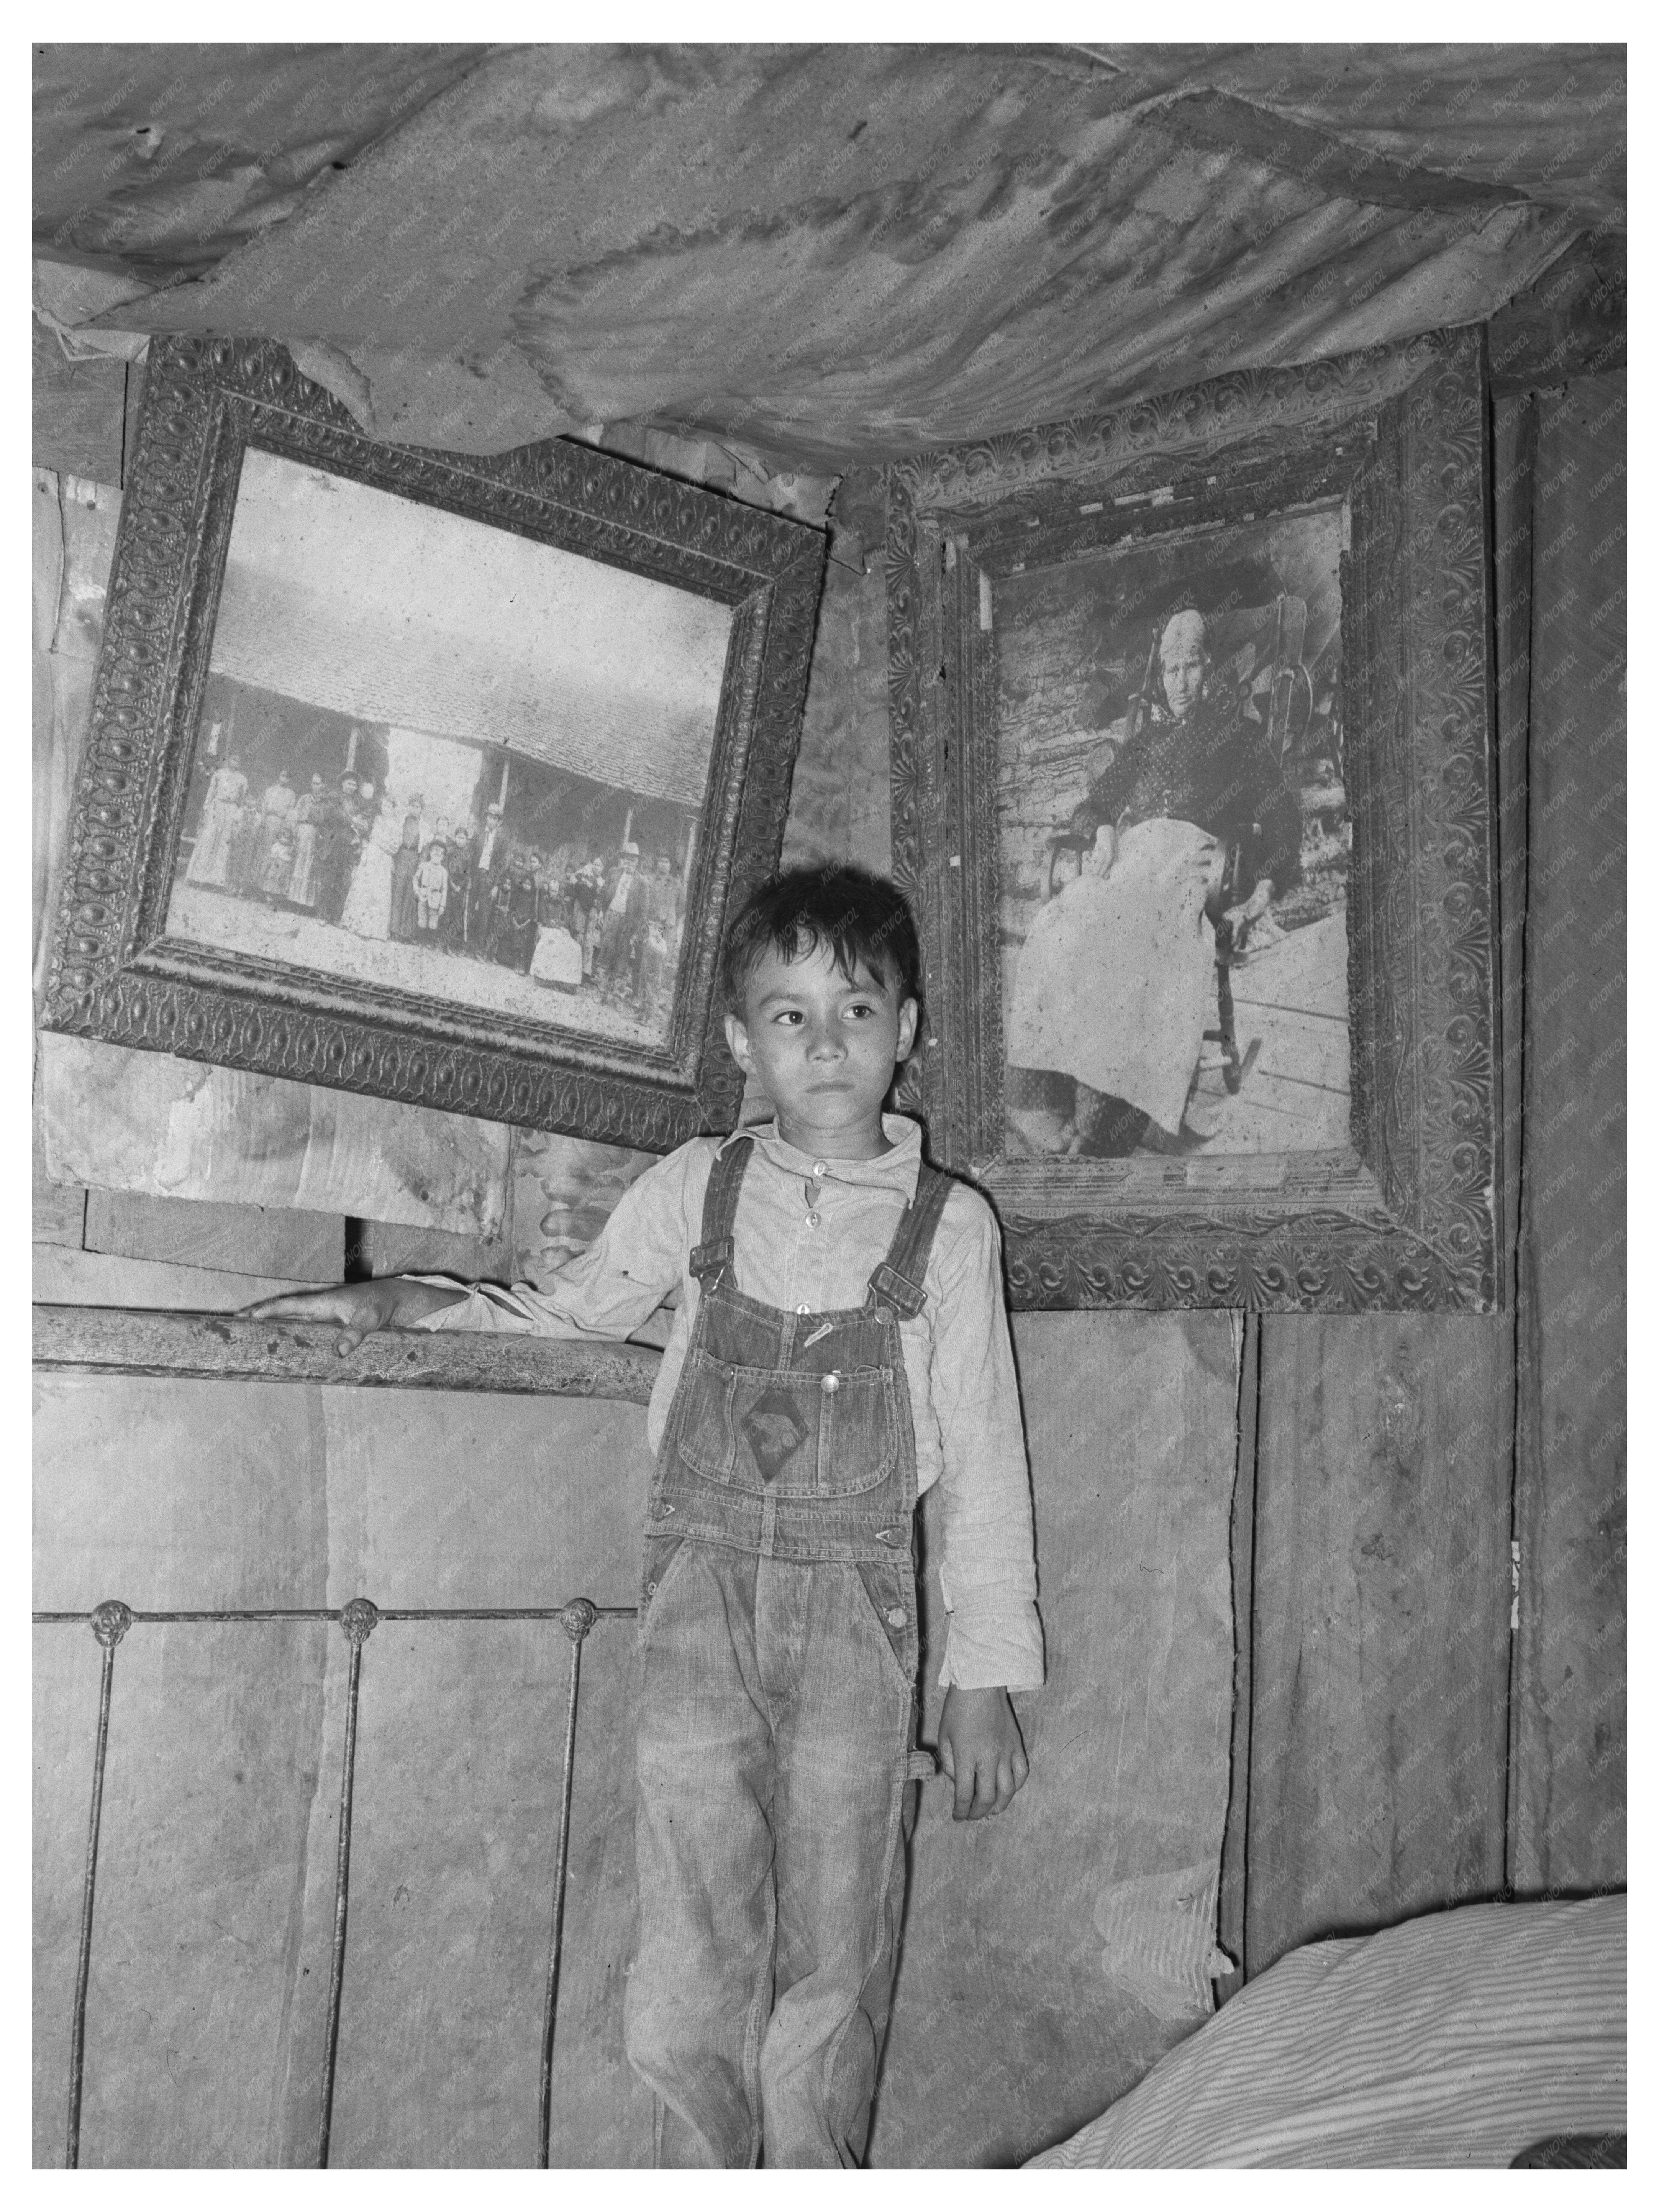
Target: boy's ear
x=736, y=1035
x=907, y=1016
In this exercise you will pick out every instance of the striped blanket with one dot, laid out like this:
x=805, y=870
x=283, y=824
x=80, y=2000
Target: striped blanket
x=1456, y=2040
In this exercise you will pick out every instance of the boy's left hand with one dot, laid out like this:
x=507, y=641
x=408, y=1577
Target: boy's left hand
x=981, y=1748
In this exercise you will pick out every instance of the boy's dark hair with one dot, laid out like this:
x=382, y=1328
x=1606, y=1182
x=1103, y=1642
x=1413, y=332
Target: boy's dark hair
x=843, y=910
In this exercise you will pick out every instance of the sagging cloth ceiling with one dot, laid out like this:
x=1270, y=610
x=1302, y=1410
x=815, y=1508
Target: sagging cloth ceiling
x=816, y=257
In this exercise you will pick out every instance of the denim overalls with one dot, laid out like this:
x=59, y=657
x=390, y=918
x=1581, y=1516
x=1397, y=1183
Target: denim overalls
x=776, y=1707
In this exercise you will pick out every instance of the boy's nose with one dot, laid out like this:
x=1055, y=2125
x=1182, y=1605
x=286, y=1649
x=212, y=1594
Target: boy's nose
x=827, y=1044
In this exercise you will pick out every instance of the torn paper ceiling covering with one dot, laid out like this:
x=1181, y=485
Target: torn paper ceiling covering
x=808, y=256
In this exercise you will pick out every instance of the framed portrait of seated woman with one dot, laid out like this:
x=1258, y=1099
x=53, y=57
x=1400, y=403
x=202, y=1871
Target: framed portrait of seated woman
x=432, y=775
x=1194, y=788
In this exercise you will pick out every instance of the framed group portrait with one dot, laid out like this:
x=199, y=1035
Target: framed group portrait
x=1194, y=788
x=432, y=775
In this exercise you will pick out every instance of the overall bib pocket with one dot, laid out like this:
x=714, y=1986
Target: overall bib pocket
x=858, y=1432
x=795, y=1432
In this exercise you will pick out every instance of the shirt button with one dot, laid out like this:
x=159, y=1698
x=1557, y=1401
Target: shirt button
x=813, y=1219
x=818, y=1168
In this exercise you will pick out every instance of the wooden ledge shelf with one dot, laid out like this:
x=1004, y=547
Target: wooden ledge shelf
x=214, y=1347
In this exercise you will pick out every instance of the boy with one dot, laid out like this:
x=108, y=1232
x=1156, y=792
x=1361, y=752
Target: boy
x=839, y=1345
x=431, y=886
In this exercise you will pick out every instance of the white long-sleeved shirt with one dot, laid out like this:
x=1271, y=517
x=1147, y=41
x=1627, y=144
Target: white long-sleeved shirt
x=817, y=1256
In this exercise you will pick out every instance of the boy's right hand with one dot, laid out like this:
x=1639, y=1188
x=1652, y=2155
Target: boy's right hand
x=359, y=1308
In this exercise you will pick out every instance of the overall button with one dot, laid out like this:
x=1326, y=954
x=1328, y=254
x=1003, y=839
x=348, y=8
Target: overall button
x=800, y=1310
x=831, y=1382
x=896, y=1616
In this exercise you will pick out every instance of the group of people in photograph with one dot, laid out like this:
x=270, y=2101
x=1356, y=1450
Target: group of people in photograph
x=607, y=922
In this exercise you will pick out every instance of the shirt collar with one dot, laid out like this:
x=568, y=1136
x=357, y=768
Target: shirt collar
x=895, y=1168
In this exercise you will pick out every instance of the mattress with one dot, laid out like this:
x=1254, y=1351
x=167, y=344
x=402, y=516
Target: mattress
x=1457, y=2040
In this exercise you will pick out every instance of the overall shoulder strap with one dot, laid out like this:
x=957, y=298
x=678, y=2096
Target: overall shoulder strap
x=720, y=1207
x=897, y=1281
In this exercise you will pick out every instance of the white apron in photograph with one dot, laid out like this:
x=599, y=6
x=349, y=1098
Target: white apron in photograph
x=557, y=957
x=367, y=909
x=1115, y=982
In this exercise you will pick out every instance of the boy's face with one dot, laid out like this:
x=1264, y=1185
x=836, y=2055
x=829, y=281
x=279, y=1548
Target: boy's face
x=822, y=1050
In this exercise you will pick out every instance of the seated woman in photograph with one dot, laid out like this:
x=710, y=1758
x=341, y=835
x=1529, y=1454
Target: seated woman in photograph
x=557, y=958
x=514, y=941
x=1115, y=983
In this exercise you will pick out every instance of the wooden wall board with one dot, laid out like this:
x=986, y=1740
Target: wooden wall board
x=45, y=847
x=1081, y=1921
x=79, y=411
x=840, y=806
x=47, y=559
x=205, y=2014
x=62, y=1277
x=66, y=1664
x=242, y=1240
x=58, y=1216
x=452, y=1498
x=1514, y=446
x=74, y=541
x=208, y=1978
x=460, y=1747
x=1380, y=1631
x=1568, y=1830
x=601, y=2110
x=57, y=1211
x=224, y=1775
x=186, y=1495
x=1570, y=325
x=62, y=694
x=91, y=511
x=1232, y=1917
x=1514, y=440
x=376, y=1249
x=168, y=1495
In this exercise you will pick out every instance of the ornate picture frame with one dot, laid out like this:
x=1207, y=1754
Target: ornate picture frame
x=1269, y=591
x=524, y=726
